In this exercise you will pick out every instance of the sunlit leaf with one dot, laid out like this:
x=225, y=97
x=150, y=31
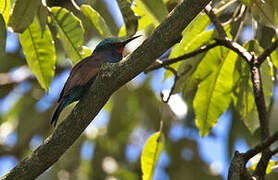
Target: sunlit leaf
x=96, y=20
x=86, y=52
x=143, y=21
x=215, y=74
x=270, y=164
x=194, y=36
x=70, y=32
x=5, y=6
x=23, y=14
x=150, y=155
x=3, y=36
x=39, y=51
x=247, y=2
x=156, y=11
x=274, y=58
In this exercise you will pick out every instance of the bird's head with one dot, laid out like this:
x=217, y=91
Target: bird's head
x=113, y=48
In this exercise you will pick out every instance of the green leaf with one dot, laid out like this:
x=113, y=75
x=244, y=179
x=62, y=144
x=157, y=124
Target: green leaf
x=243, y=97
x=215, y=74
x=23, y=14
x=70, y=32
x=150, y=155
x=143, y=22
x=274, y=57
x=3, y=36
x=187, y=83
x=270, y=164
x=194, y=36
x=86, y=52
x=39, y=51
x=156, y=11
x=42, y=15
x=267, y=80
x=246, y=2
x=96, y=20
x=266, y=12
x=5, y=6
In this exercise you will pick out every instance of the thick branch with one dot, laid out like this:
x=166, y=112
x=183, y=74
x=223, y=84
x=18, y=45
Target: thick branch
x=111, y=78
x=263, y=118
x=262, y=111
x=259, y=100
x=261, y=107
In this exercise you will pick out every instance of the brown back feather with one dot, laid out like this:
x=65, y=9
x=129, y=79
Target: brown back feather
x=81, y=73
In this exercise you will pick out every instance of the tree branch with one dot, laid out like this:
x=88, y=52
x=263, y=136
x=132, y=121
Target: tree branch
x=241, y=51
x=268, y=51
x=237, y=170
x=111, y=78
x=210, y=12
x=259, y=148
x=261, y=107
x=174, y=85
x=234, y=46
x=181, y=58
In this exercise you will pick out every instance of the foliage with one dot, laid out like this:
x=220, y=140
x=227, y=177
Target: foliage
x=56, y=34
x=150, y=155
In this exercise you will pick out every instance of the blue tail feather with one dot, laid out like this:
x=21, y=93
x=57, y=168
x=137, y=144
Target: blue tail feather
x=58, y=111
x=74, y=95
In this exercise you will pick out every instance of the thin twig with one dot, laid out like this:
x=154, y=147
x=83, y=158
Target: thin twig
x=241, y=24
x=224, y=6
x=237, y=169
x=174, y=85
x=237, y=48
x=75, y=5
x=268, y=51
x=210, y=12
x=180, y=58
x=259, y=148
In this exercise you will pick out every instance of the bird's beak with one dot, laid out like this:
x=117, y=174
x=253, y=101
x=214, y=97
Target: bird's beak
x=130, y=39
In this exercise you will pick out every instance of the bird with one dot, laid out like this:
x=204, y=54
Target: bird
x=84, y=73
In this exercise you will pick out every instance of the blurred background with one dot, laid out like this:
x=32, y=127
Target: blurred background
x=111, y=146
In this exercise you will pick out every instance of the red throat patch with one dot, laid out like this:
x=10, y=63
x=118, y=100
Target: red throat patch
x=121, y=50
